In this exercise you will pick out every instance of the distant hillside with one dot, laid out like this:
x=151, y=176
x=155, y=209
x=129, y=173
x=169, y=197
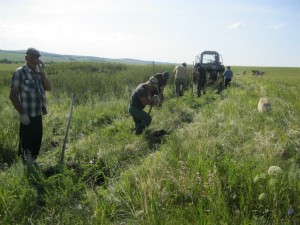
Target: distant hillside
x=18, y=55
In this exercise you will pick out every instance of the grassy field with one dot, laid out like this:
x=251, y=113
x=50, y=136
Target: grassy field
x=208, y=160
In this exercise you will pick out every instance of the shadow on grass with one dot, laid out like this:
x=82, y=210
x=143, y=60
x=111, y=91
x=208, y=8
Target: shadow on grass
x=155, y=137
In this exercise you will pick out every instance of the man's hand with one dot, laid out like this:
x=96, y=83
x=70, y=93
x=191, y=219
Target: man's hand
x=25, y=119
x=156, y=99
x=41, y=66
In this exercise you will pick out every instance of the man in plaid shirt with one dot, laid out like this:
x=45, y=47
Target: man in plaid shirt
x=27, y=95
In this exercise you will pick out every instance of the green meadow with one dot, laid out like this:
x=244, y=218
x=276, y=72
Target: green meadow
x=208, y=160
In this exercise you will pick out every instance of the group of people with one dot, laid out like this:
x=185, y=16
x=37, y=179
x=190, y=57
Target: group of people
x=202, y=79
x=151, y=93
x=29, y=84
x=180, y=77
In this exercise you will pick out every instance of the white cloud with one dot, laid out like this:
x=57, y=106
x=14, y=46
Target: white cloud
x=278, y=26
x=83, y=7
x=236, y=26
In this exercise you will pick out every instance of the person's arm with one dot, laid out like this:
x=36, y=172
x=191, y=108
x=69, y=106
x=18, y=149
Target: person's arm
x=147, y=100
x=174, y=71
x=162, y=88
x=45, y=81
x=14, y=98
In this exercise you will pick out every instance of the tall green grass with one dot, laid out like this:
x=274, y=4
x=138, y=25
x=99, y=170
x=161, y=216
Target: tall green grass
x=210, y=167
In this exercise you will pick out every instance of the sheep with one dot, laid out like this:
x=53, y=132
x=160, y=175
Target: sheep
x=264, y=105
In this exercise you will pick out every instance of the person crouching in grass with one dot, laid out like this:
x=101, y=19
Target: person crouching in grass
x=143, y=95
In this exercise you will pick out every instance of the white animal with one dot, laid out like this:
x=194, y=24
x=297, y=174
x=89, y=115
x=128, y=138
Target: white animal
x=264, y=105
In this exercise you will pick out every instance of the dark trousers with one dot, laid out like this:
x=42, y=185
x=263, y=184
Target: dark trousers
x=140, y=118
x=201, y=87
x=227, y=82
x=31, y=137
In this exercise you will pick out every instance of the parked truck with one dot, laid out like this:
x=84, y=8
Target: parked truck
x=212, y=62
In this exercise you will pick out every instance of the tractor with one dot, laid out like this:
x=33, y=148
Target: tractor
x=212, y=62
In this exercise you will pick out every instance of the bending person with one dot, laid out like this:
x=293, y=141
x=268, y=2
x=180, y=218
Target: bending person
x=143, y=95
x=180, y=75
x=162, y=79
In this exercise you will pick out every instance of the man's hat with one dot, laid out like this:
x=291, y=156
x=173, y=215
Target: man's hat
x=152, y=82
x=33, y=52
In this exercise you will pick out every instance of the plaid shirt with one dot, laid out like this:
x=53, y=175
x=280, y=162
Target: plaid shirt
x=32, y=93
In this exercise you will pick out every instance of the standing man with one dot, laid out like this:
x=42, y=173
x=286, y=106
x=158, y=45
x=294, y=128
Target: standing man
x=201, y=79
x=227, y=77
x=180, y=75
x=27, y=95
x=162, y=79
x=143, y=95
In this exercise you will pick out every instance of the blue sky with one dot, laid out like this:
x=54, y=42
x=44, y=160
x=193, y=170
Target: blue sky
x=245, y=32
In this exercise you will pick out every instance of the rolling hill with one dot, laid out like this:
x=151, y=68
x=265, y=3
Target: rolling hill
x=18, y=55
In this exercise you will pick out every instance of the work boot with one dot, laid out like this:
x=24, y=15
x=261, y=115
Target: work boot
x=139, y=130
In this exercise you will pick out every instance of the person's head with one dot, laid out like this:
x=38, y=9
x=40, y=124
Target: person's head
x=184, y=64
x=32, y=57
x=228, y=67
x=152, y=83
x=165, y=75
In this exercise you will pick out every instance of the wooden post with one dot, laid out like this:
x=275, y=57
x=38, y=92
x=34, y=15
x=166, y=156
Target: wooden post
x=67, y=131
x=192, y=76
x=153, y=67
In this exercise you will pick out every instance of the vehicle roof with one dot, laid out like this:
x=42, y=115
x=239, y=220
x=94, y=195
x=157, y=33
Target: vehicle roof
x=209, y=52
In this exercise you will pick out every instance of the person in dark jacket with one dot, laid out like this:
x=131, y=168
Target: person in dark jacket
x=162, y=79
x=201, y=86
x=228, y=74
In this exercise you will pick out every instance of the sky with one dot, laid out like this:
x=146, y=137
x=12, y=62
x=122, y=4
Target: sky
x=244, y=32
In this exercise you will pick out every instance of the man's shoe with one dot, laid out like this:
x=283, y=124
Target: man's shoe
x=139, y=130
